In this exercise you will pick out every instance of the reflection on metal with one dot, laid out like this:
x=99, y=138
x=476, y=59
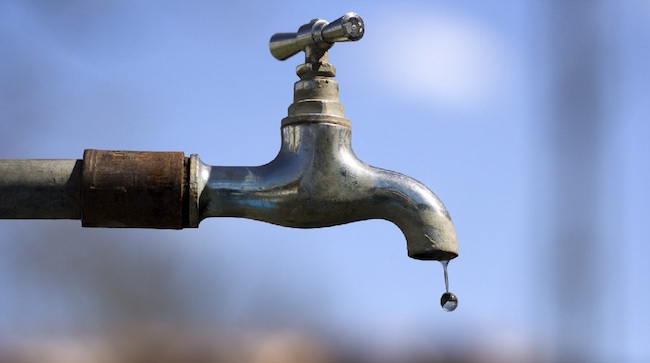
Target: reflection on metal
x=319, y=34
x=314, y=181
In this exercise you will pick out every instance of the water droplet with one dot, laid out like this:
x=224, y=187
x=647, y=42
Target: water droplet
x=448, y=301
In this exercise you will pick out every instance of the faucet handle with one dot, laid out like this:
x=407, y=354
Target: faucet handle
x=318, y=34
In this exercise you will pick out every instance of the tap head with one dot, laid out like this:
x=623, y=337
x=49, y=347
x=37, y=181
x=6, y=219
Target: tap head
x=317, y=34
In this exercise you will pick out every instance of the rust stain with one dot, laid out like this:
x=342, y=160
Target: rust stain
x=138, y=189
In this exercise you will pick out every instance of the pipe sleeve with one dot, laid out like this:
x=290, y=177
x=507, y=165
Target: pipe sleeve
x=134, y=189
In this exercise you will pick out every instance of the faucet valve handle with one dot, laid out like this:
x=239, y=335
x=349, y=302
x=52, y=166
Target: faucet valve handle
x=318, y=34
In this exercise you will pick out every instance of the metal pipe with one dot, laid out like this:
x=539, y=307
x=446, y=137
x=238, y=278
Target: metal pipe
x=40, y=189
x=105, y=189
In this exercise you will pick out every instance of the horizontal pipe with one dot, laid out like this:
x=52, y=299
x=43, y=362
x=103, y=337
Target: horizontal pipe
x=137, y=189
x=40, y=189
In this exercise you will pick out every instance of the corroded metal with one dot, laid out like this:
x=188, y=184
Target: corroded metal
x=133, y=189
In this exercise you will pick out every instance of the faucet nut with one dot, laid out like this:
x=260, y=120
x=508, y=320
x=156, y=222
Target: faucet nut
x=309, y=70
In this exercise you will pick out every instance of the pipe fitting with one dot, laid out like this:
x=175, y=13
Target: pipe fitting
x=134, y=189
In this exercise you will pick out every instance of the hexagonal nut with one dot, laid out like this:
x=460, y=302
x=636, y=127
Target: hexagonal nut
x=317, y=107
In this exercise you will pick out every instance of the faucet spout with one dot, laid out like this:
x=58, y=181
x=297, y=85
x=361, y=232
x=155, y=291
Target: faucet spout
x=317, y=181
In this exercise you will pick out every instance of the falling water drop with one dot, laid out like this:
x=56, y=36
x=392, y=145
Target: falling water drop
x=448, y=300
x=444, y=268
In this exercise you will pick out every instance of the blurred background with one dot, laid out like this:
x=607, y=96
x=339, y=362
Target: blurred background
x=528, y=119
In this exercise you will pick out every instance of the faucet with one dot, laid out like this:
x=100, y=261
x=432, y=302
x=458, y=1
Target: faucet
x=315, y=180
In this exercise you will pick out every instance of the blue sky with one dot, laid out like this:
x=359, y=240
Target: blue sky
x=454, y=94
